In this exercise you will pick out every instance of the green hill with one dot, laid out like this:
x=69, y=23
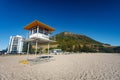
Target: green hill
x=71, y=42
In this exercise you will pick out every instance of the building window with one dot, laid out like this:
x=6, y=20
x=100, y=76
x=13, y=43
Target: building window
x=40, y=30
x=46, y=31
x=31, y=31
x=34, y=30
x=14, y=48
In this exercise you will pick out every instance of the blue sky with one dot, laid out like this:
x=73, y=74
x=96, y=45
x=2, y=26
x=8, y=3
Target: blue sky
x=98, y=19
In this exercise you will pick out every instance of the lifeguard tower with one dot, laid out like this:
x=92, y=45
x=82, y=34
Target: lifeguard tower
x=39, y=33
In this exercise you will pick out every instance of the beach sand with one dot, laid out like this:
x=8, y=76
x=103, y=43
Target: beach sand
x=98, y=66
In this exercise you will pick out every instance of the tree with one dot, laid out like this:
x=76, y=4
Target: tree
x=116, y=49
x=77, y=48
x=25, y=47
x=106, y=50
x=85, y=48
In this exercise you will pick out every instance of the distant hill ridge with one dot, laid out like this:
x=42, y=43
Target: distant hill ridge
x=71, y=42
x=76, y=37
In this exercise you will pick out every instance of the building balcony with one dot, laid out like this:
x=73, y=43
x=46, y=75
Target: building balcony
x=39, y=35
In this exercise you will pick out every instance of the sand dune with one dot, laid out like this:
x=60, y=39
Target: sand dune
x=62, y=67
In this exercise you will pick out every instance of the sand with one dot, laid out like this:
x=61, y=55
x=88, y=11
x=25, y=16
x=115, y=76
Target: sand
x=99, y=66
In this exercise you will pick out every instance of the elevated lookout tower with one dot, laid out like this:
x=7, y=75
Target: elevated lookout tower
x=38, y=33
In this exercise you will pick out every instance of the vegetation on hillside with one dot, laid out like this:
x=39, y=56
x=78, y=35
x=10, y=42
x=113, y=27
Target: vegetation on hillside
x=70, y=42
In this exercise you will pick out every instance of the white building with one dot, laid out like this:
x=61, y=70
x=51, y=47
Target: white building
x=15, y=44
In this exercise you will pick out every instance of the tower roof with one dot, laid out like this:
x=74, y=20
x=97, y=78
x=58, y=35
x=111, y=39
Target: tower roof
x=40, y=24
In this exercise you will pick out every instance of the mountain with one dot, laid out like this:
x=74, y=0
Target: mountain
x=71, y=42
x=82, y=39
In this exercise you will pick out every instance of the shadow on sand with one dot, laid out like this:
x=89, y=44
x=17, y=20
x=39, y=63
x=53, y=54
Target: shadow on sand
x=41, y=59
